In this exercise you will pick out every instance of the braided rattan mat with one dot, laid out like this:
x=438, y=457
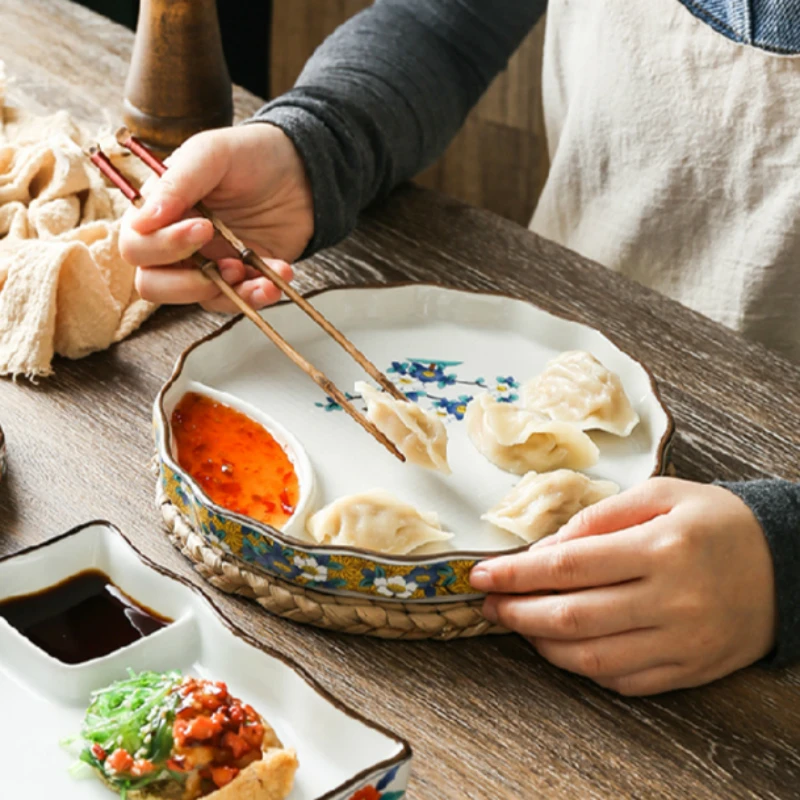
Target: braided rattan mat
x=346, y=614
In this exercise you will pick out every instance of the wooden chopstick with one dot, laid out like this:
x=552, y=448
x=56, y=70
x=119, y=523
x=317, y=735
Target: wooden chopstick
x=139, y=149
x=210, y=269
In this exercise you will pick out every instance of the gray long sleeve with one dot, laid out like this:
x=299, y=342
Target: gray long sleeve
x=776, y=505
x=383, y=96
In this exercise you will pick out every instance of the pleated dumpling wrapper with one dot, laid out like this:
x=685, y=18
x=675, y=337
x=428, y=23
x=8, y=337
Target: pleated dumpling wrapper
x=540, y=504
x=575, y=387
x=521, y=440
x=378, y=521
x=418, y=434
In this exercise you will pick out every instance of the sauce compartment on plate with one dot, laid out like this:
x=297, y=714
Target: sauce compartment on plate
x=76, y=614
x=81, y=618
x=234, y=459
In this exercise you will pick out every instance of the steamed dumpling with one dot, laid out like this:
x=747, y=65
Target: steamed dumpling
x=575, y=387
x=540, y=504
x=375, y=520
x=519, y=440
x=419, y=435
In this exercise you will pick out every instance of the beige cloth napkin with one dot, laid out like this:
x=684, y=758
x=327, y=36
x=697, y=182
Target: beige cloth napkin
x=64, y=288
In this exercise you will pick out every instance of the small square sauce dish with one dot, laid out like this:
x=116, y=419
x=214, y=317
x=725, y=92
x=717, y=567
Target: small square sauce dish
x=86, y=609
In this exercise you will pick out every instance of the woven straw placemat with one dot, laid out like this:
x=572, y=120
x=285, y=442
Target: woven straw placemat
x=387, y=620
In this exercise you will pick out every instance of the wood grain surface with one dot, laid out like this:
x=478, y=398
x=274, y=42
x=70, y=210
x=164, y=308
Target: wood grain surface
x=487, y=718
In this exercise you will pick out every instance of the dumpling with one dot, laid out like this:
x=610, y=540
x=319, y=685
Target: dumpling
x=519, y=440
x=540, y=504
x=575, y=387
x=419, y=435
x=375, y=520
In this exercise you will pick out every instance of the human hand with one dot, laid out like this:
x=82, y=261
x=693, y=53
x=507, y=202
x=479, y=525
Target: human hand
x=254, y=179
x=665, y=586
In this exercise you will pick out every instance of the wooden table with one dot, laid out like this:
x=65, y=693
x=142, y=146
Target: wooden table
x=487, y=718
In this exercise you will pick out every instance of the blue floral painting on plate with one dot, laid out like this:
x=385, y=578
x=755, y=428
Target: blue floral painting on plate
x=440, y=387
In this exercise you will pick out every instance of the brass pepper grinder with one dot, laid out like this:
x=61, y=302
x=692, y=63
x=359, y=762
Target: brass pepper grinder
x=178, y=81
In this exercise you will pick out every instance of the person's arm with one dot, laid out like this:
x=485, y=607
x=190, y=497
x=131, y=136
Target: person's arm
x=776, y=505
x=375, y=104
x=383, y=96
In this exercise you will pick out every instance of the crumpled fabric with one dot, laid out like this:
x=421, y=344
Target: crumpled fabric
x=64, y=287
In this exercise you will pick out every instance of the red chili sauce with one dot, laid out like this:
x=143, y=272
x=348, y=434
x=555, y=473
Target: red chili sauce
x=234, y=459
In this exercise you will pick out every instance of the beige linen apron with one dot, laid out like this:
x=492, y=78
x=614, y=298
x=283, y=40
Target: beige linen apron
x=675, y=159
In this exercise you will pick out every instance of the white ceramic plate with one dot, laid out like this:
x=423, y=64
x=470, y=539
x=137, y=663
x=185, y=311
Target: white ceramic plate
x=44, y=700
x=443, y=346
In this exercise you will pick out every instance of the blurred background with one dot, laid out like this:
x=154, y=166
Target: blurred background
x=498, y=161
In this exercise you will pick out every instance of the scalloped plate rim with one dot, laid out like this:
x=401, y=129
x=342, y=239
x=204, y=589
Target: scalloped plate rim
x=453, y=555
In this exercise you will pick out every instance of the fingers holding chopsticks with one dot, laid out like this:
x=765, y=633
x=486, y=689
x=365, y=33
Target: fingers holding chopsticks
x=254, y=289
x=183, y=283
x=211, y=267
x=168, y=245
x=196, y=168
x=161, y=235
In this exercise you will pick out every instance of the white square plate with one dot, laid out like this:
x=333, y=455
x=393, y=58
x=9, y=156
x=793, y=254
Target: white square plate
x=340, y=752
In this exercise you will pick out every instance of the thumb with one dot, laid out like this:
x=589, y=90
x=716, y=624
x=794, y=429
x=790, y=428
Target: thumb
x=633, y=507
x=195, y=169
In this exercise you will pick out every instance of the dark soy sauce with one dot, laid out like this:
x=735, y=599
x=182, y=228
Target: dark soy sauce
x=81, y=618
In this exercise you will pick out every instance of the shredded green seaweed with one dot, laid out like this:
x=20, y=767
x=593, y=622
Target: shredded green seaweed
x=137, y=715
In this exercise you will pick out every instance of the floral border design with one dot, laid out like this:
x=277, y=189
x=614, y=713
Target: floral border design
x=376, y=791
x=423, y=381
x=254, y=545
